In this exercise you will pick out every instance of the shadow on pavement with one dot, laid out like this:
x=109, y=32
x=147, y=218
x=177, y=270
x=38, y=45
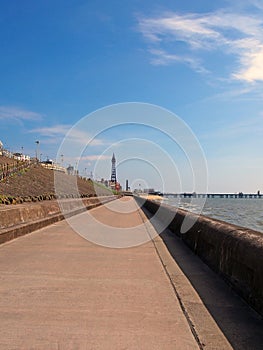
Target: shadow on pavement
x=241, y=325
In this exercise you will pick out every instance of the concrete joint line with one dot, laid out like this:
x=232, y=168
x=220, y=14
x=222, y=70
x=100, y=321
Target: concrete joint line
x=156, y=241
x=212, y=339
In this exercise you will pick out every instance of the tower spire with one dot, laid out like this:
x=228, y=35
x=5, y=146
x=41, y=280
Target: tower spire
x=113, y=169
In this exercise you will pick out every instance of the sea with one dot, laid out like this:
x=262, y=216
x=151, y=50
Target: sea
x=245, y=212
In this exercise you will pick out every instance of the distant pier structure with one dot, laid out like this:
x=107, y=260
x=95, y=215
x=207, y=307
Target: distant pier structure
x=215, y=195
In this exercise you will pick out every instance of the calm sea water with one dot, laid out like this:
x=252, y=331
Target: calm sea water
x=242, y=212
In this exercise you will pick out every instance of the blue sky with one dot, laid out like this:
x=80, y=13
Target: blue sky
x=201, y=60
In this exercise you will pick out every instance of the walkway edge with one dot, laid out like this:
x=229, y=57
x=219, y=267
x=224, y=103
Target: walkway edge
x=204, y=328
x=22, y=229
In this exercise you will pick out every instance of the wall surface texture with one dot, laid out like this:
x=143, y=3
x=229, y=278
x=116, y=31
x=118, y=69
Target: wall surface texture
x=18, y=220
x=234, y=252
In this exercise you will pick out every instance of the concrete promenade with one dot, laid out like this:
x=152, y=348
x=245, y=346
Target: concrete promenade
x=61, y=291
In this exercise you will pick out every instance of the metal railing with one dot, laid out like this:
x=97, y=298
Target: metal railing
x=10, y=169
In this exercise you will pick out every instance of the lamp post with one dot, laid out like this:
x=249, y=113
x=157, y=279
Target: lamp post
x=22, y=154
x=37, y=149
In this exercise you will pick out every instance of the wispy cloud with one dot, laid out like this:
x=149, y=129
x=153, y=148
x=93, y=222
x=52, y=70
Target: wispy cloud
x=175, y=37
x=16, y=113
x=251, y=66
x=96, y=157
x=75, y=136
x=242, y=93
x=247, y=127
x=240, y=129
x=52, y=131
x=256, y=3
x=163, y=58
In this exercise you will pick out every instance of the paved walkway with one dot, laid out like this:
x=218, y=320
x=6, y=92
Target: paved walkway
x=61, y=291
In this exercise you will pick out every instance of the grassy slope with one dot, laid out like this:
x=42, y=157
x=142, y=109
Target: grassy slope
x=38, y=181
x=6, y=160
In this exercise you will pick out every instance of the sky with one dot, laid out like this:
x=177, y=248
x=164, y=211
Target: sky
x=62, y=63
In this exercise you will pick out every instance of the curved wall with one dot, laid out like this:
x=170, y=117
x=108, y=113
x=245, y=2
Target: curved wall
x=236, y=253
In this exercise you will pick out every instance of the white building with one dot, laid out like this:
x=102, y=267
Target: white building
x=21, y=156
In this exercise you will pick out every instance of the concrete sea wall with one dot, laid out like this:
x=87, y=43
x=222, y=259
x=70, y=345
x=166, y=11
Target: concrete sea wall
x=234, y=252
x=21, y=219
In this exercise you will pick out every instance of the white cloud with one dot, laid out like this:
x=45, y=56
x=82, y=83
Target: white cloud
x=163, y=58
x=252, y=69
x=188, y=28
x=75, y=136
x=51, y=131
x=16, y=113
x=236, y=34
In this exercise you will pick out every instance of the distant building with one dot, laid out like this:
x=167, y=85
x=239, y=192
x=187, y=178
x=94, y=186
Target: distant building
x=48, y=161
x=70, y=170
x=148, y=190
x=20, y=156
x=51, y=165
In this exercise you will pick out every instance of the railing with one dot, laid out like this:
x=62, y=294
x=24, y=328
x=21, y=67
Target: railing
x=53, y=167
x=10, y=169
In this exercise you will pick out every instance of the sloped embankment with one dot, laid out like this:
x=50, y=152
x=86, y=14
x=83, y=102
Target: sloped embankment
x=37, y=183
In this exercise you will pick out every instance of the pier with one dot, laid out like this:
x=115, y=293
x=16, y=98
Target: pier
x=214, y=195
x=61, y=291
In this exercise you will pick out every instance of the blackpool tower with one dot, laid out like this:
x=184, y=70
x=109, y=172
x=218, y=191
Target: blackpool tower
x=113, y=169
